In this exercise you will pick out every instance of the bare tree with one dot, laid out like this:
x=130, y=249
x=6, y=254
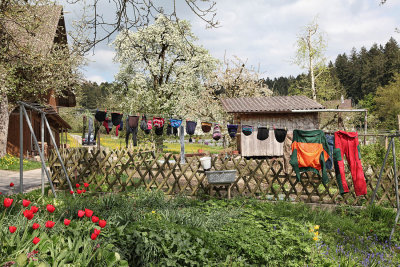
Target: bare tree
x=99, y=26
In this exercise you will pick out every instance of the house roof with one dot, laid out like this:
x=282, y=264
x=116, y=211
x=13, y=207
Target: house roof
x=46, y=27
x=273, y=104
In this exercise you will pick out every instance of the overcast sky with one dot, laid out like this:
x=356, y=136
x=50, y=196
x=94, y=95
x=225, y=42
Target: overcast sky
x=263, y=32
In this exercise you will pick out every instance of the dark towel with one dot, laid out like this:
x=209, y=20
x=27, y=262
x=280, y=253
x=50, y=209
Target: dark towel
x=280, y=135
x=247, y=130
x=116, y=118
x=262, y=133
x=206, y=127
x=232, y=130
x=100, y=115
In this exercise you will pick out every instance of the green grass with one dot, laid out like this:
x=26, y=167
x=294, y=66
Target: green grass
x=191, y=148
x=11, y=163
x=111, y=142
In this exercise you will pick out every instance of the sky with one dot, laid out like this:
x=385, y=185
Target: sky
x=264, y=32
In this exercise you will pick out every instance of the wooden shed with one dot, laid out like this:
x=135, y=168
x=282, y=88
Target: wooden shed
x=52, y=32
x=274, y=112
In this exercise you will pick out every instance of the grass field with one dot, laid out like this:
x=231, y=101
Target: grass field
x=11, y=163
x=111, y=142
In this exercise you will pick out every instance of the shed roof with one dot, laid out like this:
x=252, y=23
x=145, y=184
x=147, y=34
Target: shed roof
x=273, y=104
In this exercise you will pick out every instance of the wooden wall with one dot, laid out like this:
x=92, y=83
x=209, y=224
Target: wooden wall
x=29, y=146
x=250, y=146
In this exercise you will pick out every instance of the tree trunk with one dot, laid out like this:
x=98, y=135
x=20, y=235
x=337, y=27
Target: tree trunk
x=4, y=120
x=310, y=49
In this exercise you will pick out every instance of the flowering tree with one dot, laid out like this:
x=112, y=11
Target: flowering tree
x=162, y=69
x=232, y=79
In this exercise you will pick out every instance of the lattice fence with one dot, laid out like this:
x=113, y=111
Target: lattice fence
x=121, y=170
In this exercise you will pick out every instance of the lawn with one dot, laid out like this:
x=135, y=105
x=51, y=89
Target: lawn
x=11, y=163
x=149, y=229
x=111, y=142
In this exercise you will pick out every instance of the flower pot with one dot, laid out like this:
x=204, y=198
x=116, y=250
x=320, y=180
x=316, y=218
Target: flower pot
x=206, y=162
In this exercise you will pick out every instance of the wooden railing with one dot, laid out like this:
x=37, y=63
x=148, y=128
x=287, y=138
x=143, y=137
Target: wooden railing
x=121, y=170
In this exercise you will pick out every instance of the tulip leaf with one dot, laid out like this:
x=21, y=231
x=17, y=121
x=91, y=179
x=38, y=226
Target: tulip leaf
x=21, y=260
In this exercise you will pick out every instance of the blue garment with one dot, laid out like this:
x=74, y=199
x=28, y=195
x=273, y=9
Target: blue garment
x=331, y=142
x=121, y=125
x=175, y=123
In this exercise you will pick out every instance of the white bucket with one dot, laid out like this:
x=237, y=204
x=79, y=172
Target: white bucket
x=206, y=162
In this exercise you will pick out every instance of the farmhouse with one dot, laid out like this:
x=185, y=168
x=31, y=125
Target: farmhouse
x=52, y=32
x=273, y=112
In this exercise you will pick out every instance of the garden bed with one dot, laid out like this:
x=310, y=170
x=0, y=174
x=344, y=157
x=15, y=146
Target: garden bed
x=146, y=229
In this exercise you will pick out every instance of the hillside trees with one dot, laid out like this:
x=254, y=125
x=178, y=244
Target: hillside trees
x=388, y=103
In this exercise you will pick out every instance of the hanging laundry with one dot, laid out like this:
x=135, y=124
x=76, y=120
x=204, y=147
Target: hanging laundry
x=97, y=125
x=247, y=130
x=90, y=129
x=176, y=123
x=158, y=124
x=116, y=118
x=232, y=130
x=132, y=123
x=169, y=128
x=106, y=125
x=190, y=129
x=217, y=132
x=346, y=143
x=175, y=130
x=309, y=153
x=149, y=127
x=143, y=123
x=287, y=151
x=121, y=125
x=206, y=127
x=280, y=135
x=100, y=115
x=262, y=133
x=331, y=143
x=84, y=127
x=110, y=125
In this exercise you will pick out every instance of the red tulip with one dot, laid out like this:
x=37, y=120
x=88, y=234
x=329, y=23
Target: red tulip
x=11, y=184
x=50, y=208
x=95, y=219
x=35, y=226
x=34, y=209
x=28, y=214
x=7, y=202
x=77, y=185
x=12, y=229
x=83, y=191
x=79, y=191
x=88, y=213
x=35, y=240
x=67, y=222
x=25, y=203
x=102, y=223
x=96, y=231
x=50, y=224
x=93, y=236
x=81, y=213
x=71, y=192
